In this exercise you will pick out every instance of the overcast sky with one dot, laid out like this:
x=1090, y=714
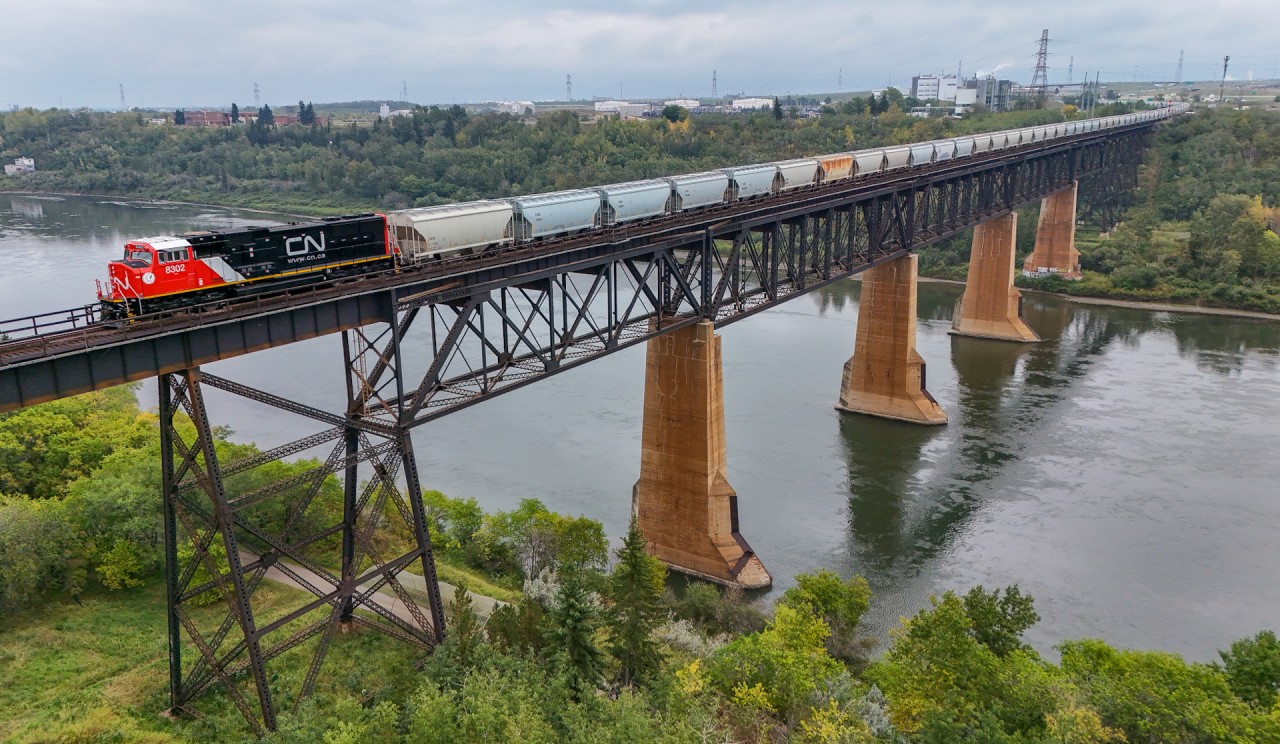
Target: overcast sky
x=171, y=53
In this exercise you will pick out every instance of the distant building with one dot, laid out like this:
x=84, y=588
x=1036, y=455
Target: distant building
x=991, y=93
x=688, y=103
x=19, y=166
x=625, y=109
x=208, y=119
x=743, y=104
x=516, y=107
x=934, y=87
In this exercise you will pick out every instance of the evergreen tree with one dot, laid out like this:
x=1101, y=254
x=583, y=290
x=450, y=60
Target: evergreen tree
x=302, y=112
x=464, y=631
x=235, y=114
x=179, y=117
x=635, y=593
x=311, y=115
x=777, y=109
x=265, y=117
x=573, y=630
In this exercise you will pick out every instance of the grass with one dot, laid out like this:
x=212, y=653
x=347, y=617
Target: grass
x=99, y=670
x=474, y=581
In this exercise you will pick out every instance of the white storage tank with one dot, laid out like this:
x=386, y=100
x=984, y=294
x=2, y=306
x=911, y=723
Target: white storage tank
x=559, y=213
x=634, y=200
x=698, y=190
x=750, y=180
x=794, y=174
x=447, y=230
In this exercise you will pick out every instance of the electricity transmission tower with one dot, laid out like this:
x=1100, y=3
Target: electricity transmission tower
x=1223, y=86
x=714, y=94
x=1071, y=68
x=1040, y=79
x=568, y=87
x=123, y=106
x=1177, y=77
x=257, y=97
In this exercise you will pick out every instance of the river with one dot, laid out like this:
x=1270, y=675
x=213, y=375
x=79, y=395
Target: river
x=1124, y=471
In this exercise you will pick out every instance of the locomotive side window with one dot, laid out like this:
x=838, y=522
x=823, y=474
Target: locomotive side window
x=169, y=256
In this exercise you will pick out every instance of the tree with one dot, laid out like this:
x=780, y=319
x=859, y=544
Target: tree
x=674, y=113
x=179, y=118
x=311, y=114
x=1253, y=669
x=840, y=603
x=464, y=632
x=235, y=114
x=1000, y=617
x=777, y=109
x=265, y=117
x=635, y=594
x=573, y=630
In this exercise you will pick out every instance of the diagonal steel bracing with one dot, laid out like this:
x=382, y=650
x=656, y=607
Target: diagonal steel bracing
x=226, y=532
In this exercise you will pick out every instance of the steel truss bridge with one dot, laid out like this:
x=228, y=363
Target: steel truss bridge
x=425, y=341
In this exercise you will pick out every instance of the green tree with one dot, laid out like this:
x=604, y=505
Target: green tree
x=574, y=622
x=1253, y=669
x=235, y=114
x=840, y=603
x=674, y=113
x=635, y=610
x=38, y=551
x=777, y=109
x=179, y=117
x=1000, y=617
x=265, y=117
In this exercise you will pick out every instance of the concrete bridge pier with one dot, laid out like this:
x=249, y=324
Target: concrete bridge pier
x=683, y=502
x=886, y=375
x=991, y=307
x=1055, y=249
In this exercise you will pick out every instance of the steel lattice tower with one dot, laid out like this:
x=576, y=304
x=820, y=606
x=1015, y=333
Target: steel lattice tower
x=1040, y=79
x=1177, y=77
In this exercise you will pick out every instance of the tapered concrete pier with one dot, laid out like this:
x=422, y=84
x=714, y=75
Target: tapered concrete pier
x=991, y=307
x=1055, y=251
x=683, y=502
x=886, y=376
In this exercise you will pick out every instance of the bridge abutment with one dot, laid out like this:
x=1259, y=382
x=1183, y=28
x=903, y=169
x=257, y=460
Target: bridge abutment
x=991, y=307
x=683, y=501
x=885, y=377
x=1055, y=249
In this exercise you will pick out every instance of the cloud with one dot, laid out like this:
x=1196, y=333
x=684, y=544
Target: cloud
x=189, y=52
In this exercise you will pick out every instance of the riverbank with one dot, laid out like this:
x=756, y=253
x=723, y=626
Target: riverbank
x=259, y=208
x=1167, y=307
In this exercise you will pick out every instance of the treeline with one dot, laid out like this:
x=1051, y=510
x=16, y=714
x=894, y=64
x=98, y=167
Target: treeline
x=1200, y=230
x=596, y=647
x=433, y=156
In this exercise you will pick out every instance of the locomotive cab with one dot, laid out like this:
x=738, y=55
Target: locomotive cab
x=149, y=268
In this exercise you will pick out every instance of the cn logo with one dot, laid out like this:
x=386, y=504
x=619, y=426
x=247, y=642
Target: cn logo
x=302, y=244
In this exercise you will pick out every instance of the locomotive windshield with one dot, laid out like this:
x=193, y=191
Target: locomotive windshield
x=137, y=255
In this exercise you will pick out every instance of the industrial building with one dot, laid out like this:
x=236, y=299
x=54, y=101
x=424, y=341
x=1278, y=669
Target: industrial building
x=934, y=87
x=688, y=103
x=752, y=103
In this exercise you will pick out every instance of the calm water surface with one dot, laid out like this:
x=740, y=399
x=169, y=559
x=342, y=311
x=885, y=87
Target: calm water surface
x=1125, y=471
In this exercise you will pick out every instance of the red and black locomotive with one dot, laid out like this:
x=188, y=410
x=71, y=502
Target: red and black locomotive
x=162, y=273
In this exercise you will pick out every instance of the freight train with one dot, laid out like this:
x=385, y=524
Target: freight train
x=167, y=272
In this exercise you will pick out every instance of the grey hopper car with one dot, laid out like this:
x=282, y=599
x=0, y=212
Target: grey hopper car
x=636, y=200
x=794, y=174
x=749, y=180
x=434, y=232
x=943, y=150
x=868, y=161
x=698, y=190
x=965, y=146
x=921, y=153
x=896, y=157
x=559, y=213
